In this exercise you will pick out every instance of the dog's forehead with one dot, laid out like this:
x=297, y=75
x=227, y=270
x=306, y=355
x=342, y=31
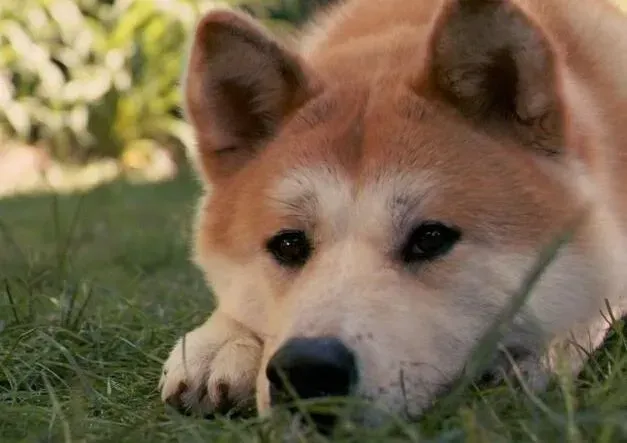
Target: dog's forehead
x=358, y=149
x=330, y=196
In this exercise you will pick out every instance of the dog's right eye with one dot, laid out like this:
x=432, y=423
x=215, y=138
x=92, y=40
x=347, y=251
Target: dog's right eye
x=429, y=241
x=290, y=248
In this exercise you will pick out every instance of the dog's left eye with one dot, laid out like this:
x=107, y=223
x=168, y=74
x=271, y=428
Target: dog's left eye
x=290, y=248
x=429, y=241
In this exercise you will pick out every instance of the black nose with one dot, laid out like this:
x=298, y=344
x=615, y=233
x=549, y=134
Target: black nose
x=311, y=368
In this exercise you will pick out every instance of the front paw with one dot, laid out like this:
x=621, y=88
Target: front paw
x=518, y=366
x=211, y=372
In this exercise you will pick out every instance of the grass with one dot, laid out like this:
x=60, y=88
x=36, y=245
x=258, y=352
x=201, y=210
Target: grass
x=95, y=287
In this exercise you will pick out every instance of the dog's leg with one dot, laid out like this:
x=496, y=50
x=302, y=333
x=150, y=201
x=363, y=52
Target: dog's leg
x=212, y=369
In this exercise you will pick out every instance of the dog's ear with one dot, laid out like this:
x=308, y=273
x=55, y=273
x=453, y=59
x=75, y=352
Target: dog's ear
x=492, y=62
x=239, y=87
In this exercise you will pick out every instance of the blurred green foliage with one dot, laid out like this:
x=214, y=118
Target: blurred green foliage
x=87, y=78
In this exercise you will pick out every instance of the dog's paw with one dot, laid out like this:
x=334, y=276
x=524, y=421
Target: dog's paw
x=520, y=368
x=211, y=371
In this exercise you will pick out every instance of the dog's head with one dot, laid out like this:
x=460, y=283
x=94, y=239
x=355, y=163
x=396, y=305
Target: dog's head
x=374, y=207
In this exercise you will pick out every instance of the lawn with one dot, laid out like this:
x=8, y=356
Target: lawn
x=94, y=288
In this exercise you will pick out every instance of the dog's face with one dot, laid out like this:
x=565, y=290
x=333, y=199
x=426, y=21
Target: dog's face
x=392, y=214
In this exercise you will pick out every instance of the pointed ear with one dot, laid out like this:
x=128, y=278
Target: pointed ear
x=240, y=85
x=497, y=67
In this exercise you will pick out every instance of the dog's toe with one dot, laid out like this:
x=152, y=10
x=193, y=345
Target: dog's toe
x=211, y=381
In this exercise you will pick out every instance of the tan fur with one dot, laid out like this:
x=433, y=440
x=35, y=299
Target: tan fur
x=382, y=119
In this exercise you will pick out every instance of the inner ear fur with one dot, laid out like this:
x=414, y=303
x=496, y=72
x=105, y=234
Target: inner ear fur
x=497, y=67
x=240, y=85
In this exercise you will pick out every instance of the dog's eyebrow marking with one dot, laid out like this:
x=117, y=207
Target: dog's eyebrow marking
x=308, y=194
x=406, y=197
x=405, y=209
x=301, y=207
x=400, y=207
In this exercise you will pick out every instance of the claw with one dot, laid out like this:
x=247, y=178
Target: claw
x=174, y=399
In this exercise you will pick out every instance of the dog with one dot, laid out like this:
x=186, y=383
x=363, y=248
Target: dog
x=377, y=192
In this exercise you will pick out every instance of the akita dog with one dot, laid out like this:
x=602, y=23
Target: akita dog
x=378, y=193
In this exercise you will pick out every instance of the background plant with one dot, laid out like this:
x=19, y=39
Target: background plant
x=85, y=78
